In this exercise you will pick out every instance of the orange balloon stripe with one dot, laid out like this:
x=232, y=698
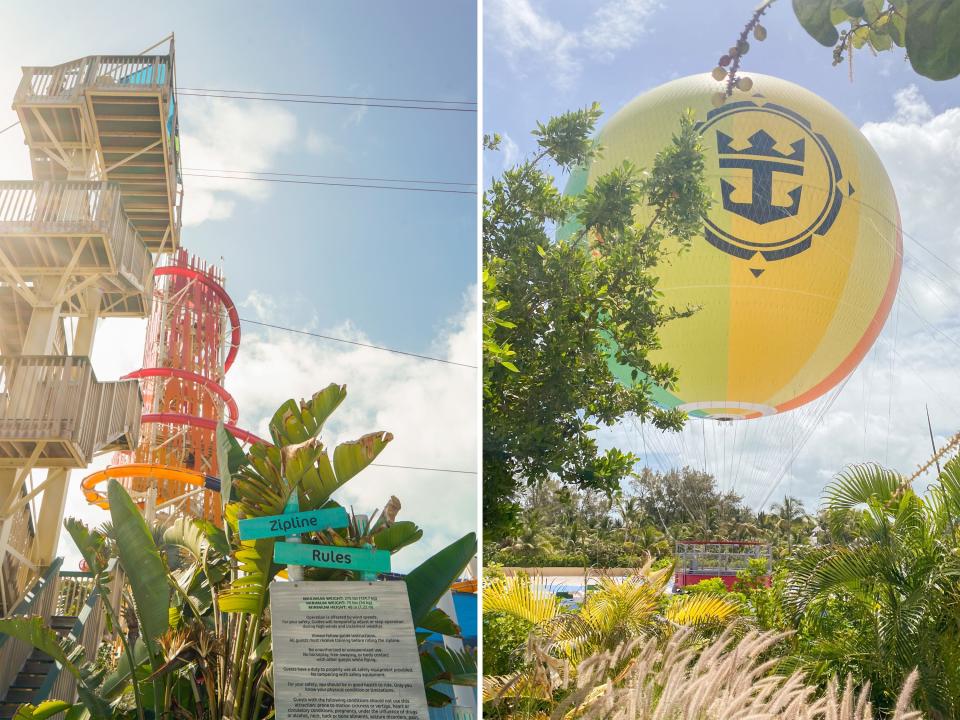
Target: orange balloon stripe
x=869, y=337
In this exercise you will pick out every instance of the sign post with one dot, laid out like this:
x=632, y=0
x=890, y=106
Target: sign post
x=345, y=651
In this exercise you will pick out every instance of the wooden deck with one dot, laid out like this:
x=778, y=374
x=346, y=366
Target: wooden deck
x=119, y=112
x=53, y=410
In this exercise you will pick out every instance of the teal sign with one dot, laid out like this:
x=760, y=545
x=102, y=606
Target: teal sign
x=326, y=556
x=293, y=523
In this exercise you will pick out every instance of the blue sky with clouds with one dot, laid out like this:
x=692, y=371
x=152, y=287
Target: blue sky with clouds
x=391, y=268
x=309, y=247
x=542, y=58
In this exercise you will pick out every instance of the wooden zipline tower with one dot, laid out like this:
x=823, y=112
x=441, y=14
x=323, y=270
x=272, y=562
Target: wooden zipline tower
x=77, y=243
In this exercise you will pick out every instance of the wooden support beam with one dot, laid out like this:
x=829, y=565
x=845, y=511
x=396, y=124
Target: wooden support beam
x=131, y=157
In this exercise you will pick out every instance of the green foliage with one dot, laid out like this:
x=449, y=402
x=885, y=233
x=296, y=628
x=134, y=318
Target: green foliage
x=427, y=583
x=711, y=585
x=927, y=29
x=550, y=307
x=201, y=595
x=504, y=641
x=144, y=568
x=44, y=710
x=887, y=601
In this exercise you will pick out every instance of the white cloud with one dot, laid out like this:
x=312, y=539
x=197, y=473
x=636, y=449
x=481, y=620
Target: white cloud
x=221, y=135
x=615, y=26
x=510, y=151
x=431, y=408
x=534, y=43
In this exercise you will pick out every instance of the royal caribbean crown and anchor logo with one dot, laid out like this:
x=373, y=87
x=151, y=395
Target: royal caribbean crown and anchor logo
x=779, y=181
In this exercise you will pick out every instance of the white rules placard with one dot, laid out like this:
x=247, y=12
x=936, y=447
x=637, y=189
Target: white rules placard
x=345, y=651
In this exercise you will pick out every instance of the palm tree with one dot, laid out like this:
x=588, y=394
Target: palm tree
x=789, y=513
x=887, y=600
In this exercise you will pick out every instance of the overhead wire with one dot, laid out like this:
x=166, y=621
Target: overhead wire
x=430, y=469
x=333, y=97
x=333, y=338
x=343, y=103
x=356, y=342
x=335, y=177
x=472, y=193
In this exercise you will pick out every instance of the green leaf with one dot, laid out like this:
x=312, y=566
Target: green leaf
x=897, y=29
x=187, y=535
x=814, y=16
x=439, y=622
x=880, y=41
x=933, y=38
x=230, y=458
x=33, y=632
x=442, y=665
x=435, y=698
x=116, y=682
x=350, y=458
x=427, y=583
x=510, y=366
x=398, y=535
x=293, y=423
x=247, y=594
x=145, y=570
x=89, y=543
x=852, y=8
x=46, y=709
x=871, y=9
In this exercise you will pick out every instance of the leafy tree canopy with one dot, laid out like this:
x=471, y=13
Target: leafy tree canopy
x=549, y=304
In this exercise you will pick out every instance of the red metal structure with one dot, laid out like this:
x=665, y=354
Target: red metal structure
x=705, y=559
x=192, y=339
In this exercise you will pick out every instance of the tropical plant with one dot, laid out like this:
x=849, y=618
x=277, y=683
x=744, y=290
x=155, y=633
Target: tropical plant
x=790, y=517
x=616, y=612
x=682, y=679
x=550, y=304
x=888, y=600
x=198, y=641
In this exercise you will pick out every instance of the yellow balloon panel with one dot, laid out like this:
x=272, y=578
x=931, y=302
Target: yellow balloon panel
x=801, y=253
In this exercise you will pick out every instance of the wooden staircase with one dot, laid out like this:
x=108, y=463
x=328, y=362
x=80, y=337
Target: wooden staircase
x=34, y=673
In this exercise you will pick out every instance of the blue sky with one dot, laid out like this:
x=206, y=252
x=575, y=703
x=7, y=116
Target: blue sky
x=611, y=51
x=391, y=268
x=311, y=247
x=542, y=58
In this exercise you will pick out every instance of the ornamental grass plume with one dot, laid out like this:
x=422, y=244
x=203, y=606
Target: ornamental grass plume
x=681, y=679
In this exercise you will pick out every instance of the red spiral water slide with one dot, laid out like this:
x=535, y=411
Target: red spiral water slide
x=193, y=336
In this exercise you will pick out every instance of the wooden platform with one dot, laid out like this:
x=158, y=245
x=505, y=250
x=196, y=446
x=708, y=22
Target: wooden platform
x=55, y=412
x=121, y=110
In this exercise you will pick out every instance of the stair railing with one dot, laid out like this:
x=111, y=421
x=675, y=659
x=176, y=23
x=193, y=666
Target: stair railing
x=38, y=601
x=88, y=631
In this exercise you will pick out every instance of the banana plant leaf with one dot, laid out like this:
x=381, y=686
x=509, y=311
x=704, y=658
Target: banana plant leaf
x=427, y=583
x=295, y=423
x=437, y=621
x=46, y=709
x=442, y=665
x=397, y=536
x=145, y=569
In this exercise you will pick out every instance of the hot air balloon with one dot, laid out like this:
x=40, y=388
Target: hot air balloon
x=800, y=257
